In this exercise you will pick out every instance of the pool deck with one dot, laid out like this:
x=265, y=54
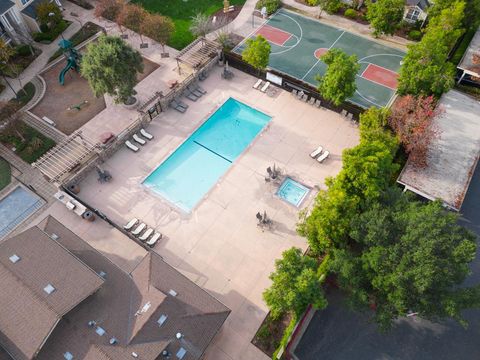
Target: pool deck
x=219, y=246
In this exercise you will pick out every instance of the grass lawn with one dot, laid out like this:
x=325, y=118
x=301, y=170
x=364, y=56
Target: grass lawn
x=181, y=12
x=5, y=173
x=31, y=147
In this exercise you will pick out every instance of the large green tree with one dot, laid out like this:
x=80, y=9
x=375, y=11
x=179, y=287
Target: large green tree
x=257, y=52
x=111, y=67
x=338, y=83
x=407, y=257
x=385, y=15
x=295, y=285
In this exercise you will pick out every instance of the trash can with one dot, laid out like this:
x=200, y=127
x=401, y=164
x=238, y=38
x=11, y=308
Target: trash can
x=89, y=215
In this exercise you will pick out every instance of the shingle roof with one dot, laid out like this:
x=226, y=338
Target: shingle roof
x=5, y=5
x=422, y=4
x=132, y=317
x=28, y=313
x=30, y=10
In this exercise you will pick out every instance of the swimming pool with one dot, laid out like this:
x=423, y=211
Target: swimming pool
x=191, y=171
x=292, y=191
x=16, y=207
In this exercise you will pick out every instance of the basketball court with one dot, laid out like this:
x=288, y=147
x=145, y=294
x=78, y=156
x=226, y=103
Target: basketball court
x=298, y=42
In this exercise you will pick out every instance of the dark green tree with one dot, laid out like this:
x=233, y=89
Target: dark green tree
x=338, y=83
x=257, y=52
x=111, y=67
x=385, y=15
x=295, y=285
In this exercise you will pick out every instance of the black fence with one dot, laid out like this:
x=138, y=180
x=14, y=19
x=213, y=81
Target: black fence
x=290, y=83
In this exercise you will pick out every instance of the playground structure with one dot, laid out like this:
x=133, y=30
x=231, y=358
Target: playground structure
x=73, y=59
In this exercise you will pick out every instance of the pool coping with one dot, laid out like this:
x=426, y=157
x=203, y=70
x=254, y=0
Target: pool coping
x=205, y=118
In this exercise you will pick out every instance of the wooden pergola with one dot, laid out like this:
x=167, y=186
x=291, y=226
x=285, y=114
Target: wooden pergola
x=198, y=53
x=66, y=157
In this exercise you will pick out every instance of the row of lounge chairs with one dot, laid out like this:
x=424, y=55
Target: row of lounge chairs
x=319, y=154
x=349, y=116
x=192, y=92
x=139, y=139
x=300, y=95
x=143, y=232
x=262, y=86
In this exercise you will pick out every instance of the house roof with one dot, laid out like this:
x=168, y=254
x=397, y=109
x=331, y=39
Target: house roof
x=30, y=10
x=28, y=313
x=452, y=157
x=5, y=5
x=128, y=307
x=468, y=64
x=422, y=4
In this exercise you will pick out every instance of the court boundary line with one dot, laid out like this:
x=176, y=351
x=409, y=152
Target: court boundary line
x=299, y=39
x=275, y=29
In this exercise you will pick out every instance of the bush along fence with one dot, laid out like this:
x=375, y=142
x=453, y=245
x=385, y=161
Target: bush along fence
x=289, y=83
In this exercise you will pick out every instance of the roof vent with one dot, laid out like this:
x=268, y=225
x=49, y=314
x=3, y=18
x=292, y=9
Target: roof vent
x=68, y=356
x=134, y=354
x=165, y=354
x=146, y=307
x=113, y=341
x=14, y=258
x=54, y=236
x=100, y=331
x=103, y=274
x=162, y=319
x=181, y=353
x=92, y=323
x=179, y=335
x=172, y=292
x=49, y=289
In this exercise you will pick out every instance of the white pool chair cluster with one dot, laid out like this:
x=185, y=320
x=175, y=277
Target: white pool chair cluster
x=349, y=116
x=139, y=139
x=301, y=95
x=143, y=232
x=319, y=154
x=262, y=86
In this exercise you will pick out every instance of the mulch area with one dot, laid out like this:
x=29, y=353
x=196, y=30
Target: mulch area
x=225, y=18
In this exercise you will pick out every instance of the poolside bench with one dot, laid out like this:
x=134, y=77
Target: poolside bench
x=49, y=121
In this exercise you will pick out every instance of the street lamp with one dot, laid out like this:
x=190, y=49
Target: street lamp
x=52, y=14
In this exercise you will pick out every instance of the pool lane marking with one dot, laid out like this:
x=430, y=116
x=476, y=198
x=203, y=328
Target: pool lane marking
x=316, y=62
x=206, y=148
x=296, y=37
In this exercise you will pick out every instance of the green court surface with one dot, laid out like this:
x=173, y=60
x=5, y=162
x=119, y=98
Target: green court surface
x=298, y=41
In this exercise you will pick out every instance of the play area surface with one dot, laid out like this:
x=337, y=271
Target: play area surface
x=298, y=42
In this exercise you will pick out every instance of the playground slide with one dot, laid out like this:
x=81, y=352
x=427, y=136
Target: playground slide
x=70, y=64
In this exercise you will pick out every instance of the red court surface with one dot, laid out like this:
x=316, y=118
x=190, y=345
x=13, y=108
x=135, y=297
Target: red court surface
x=274, y=35
x=381, y=76
x=319, y=52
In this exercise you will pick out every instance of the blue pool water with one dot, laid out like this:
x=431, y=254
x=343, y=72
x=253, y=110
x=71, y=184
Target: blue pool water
x=192, y=170
x=16, y=207
x=292, y=191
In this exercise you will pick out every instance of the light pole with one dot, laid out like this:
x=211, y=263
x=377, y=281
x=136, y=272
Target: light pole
x=52, y=14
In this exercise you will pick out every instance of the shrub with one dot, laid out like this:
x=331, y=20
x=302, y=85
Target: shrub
x=23, y=50
x=350, y=13
x=44, y=28
x=312, y=2
x=51, y=34
x=415, y=35
x=271, y=5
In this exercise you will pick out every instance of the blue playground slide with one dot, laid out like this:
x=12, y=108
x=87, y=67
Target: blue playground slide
x=71, y=64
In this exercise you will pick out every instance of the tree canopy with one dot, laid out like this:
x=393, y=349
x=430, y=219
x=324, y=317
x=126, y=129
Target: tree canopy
x=295, y=285
x=385, y=15
x=158, y=28
x=338, y=83
x=43, y=11
x=257, y=52
x=111, y=66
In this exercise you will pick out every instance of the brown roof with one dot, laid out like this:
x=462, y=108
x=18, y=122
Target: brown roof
x=128, y=307
x=27, y=313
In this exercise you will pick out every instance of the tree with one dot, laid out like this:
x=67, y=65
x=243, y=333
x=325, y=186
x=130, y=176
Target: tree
x=373, y=124
x=132, y=17
x=448, y=23
x=158, y=28
x=10, y=118
x=48, y=14
x=385, y=15
x=109, y=9
x=295, y=285
x=257, y=52
x=111, y=66
x=409, y=257
x=330, y=6
x=338, y=83
x=201, y=25
x=411, y=119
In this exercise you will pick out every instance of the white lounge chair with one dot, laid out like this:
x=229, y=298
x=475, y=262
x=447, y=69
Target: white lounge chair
x=318, y=103
x=311, y=101
x=157, y=236
x=139, y=229
x=138, y=139
x=304, y=97
x=344, y=113
x=295, y=92
x=131, y=224
x=131, y=146
x=146, y=234
x=265, y=87
x=322, y=157
x=257, y=84
x=316, y=152
x=146, y=134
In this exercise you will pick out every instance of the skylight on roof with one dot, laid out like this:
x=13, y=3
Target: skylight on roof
x=49, y=289
x=14, y=258
x=54, y=236
x=103, y=274
x=162, y=319
x=100, y=331
x=68, y=356
x=181, y=353
x=172, y=292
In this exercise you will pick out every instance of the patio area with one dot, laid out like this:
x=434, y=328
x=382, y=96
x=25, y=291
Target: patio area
x=219, y=245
